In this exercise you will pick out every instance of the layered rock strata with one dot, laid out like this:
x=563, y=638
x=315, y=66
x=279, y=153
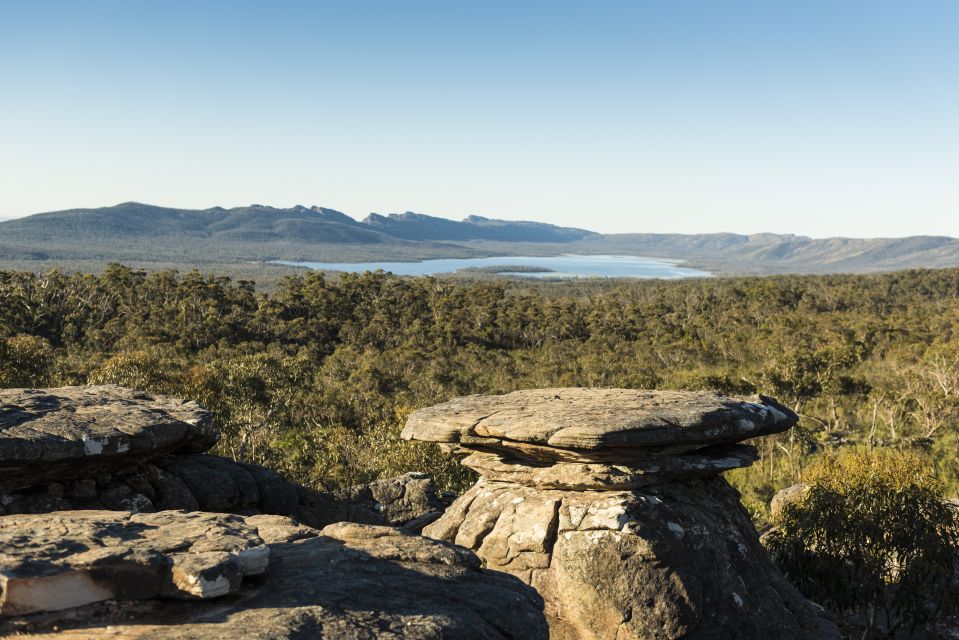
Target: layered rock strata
x=107, y=447
x=348, y=581
x=609, y=503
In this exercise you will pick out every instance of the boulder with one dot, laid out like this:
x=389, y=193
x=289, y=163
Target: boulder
x=679, y=560
x=609, y=503
x=71, y=558
x=56, y=434
x=348, y=581
x=784, y=497
x=410, y=500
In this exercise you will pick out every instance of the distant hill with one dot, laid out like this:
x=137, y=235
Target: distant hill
x=257, y=233
x=774, y=253
x=416, y=226
x=259, y=223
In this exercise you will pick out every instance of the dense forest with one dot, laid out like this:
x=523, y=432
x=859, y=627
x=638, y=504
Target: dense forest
x=317, y=377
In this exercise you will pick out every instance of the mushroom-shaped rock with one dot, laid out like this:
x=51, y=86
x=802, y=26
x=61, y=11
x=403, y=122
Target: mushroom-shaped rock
x=599, y=424
x=609, y=502
x=52, y=434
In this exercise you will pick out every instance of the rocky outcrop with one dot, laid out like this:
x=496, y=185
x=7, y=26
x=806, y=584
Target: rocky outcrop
x=410, y=501
x=609, y=503
x=348, y=581
x=56, y=434
x=106, y=447
x=114, y=523
x=56, y=561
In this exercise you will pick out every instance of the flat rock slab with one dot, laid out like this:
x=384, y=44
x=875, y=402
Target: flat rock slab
x=66, y=559
x=346, y=582
x=598, y=420
x=56, y=433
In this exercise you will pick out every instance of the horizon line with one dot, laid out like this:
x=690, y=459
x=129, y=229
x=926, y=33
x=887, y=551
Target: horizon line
x=8, y=217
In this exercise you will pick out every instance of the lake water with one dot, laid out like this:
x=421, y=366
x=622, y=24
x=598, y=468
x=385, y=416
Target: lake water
x=568, y=266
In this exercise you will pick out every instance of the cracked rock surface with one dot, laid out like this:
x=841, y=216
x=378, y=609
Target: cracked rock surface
x=609, y=503
x=347, y=581
x=56, y=561
x=587, y=423
x=47, y=434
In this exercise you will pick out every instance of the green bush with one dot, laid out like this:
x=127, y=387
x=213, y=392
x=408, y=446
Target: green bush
x=139, y=370
x=25, y=361
x=871, y=537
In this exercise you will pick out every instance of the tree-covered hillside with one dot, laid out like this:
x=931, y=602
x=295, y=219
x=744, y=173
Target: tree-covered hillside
x=317, y=378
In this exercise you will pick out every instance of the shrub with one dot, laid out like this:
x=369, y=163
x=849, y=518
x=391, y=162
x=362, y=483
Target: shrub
x=25, y=361
x=346, y=457
x=873, y=537
x=139, y=370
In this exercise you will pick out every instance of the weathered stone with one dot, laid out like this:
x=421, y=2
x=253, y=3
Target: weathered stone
x=106, y=447
x=392, y=501
x=784, y=497
x=346, y=582
x=120, y=497
x=601, y=420
x=276, y=494
x=680, y=560
x=172, y=493
x=275, y=529
x=203, y=482
x=56, y=561
x=213, y=488
x=607, y=501
x=585, y=476
x=56, y=434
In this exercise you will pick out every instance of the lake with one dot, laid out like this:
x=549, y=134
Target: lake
x=567, y=266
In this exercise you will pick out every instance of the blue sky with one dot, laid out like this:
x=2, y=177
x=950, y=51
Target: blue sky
x=813, y=117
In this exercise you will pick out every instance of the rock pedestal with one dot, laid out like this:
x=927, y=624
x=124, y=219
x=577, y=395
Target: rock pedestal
x=609, y=503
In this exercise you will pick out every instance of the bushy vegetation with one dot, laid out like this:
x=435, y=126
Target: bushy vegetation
x=316, y=378
x=872, y=536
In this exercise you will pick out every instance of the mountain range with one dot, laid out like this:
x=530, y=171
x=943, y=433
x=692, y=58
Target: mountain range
x=147, y=233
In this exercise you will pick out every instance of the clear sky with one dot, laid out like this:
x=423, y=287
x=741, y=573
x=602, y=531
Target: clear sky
x=817, y=117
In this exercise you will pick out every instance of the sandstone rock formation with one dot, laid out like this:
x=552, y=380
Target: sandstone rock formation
x=56, y=561
x=609, y=503
x=410, y=501
x=51, y=434
x=348, y=581
x=106, y=447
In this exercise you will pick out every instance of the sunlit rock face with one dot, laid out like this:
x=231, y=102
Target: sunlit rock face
x=115, y=523
x=609, y=502
x=176, y=575
x=51, y=562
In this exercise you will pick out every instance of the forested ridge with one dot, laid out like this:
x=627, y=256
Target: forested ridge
x=316, y=378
